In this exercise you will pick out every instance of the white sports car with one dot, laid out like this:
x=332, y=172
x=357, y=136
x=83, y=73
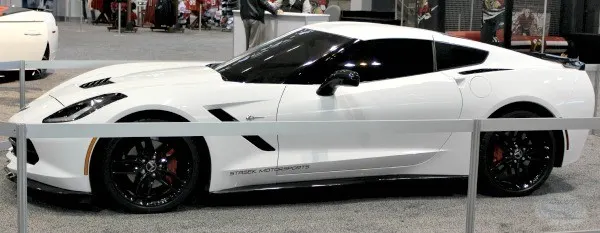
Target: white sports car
x=321, y=72
x=27, y=34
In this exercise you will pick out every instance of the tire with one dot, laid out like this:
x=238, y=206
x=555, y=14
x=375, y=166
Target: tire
x=174, y=172
x=503, y=155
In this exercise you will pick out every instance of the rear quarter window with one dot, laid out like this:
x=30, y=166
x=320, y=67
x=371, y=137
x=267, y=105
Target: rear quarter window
x=450, y=56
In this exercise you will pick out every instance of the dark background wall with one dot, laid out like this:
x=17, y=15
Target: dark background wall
x=580, y=16
x=591, y=18
x=383, y=5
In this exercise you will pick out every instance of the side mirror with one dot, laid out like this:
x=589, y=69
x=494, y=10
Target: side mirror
x=339, y=78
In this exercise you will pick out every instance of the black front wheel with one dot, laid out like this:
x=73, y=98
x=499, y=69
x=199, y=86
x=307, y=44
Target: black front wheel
x=516, y=163
x=149, y=175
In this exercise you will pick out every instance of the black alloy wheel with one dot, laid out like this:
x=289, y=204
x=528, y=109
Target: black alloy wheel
x=516, y=163
x=150, y=175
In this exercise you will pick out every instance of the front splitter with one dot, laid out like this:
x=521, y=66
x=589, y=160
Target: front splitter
x=38, y=186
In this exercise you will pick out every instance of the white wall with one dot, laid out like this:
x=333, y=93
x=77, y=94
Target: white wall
x=361, y=5
x=68, y=8
x=344, y=4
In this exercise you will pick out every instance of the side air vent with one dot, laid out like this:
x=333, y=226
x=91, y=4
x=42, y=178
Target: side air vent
x=96, y=83
x=257, y=141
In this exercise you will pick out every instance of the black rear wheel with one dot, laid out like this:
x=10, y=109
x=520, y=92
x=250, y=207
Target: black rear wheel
x=516, y=163
x=150, y=175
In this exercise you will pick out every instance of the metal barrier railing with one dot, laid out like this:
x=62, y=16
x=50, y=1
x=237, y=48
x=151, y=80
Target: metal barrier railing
x=475, y=126
x=23, y=131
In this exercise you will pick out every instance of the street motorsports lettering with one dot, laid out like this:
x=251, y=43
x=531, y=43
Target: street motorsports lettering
x=266, y=170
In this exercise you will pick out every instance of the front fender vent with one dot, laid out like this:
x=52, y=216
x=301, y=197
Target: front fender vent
x=96, y=83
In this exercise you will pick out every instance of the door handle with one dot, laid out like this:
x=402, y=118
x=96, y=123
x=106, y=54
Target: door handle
x=251, y=118
x=32, y=33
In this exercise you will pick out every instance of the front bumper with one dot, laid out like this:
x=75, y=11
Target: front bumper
x=58, y=163
x=38, y=186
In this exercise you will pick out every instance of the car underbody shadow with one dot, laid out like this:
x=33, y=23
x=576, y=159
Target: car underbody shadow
x=554, y=185
x=442, y=188
x=8, y=76
x=61, y=202
x=414, y=189
x=30, y=75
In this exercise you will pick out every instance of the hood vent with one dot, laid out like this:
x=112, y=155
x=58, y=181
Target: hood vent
x=96, y=83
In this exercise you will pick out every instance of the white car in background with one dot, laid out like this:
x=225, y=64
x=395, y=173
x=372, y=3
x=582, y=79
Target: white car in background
x=27, y=34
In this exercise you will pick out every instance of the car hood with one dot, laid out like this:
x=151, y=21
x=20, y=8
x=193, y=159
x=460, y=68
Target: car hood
x=122, y=78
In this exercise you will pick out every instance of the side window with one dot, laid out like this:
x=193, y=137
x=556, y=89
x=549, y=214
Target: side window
x=374, y=60
x=392, y=58
x=451, y=56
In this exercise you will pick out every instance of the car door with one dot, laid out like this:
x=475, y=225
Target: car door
x=24, y=36
x=394, y=86
x=252, y=91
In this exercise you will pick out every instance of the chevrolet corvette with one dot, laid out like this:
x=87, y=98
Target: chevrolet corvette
x=330, y=71
x=29, y=35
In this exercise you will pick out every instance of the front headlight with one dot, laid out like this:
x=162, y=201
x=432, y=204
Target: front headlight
x=83, y=108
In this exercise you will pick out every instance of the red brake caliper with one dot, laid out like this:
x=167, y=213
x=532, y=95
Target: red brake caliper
x=171, y=165
x=497, y=154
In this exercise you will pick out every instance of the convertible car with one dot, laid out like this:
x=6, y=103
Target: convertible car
x=29, y=35
x=330, y=71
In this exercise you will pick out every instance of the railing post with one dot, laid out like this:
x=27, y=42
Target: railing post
x=471, y=19
x=544, y=27
x=22, y=85
x=68, y=11
x=22, y=176
x=81, y=16
x=402, y=13
x=119, y=17
x=597, y=88
x=473, y=171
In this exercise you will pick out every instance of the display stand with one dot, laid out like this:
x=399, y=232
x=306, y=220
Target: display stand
x=118, y=24
x=228, y=6
x=209, y=18
x=167, y=20
x=103, y=6
x=195, y=7
x=275, y=26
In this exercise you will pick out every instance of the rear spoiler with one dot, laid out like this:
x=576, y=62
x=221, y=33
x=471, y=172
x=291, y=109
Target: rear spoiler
x=567, y=62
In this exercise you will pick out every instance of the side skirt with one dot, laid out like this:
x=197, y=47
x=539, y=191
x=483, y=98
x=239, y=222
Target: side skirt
x=335, y=182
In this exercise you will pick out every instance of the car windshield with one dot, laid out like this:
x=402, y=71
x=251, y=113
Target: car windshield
x=281, y=58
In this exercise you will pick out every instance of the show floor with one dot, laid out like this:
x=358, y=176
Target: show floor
x=568, y=201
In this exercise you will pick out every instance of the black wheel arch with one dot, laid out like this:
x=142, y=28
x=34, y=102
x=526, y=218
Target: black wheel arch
x=47, y=51
x=543, y=112
x=199, y=142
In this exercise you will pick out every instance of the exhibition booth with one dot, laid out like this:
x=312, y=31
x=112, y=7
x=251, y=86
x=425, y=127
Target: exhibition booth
x=275, y=26
x=559, y=27
x=568, y=198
